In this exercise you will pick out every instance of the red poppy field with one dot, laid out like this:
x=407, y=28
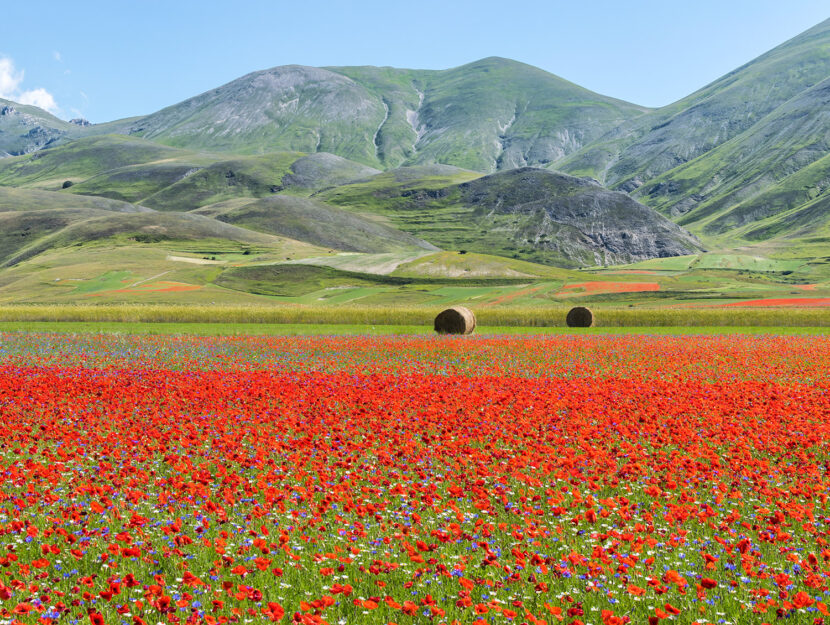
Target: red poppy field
x=563, y=479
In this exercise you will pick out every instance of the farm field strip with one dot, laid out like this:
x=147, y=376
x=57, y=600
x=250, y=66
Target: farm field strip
x=519, y=316
x=599, y=480
x=303, y=329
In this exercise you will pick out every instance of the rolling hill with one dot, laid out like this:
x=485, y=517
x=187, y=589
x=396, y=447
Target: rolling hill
x=730, y=185
x=527, y=213
x=530, y=214
x=489, y=115
x=25, y=129
x=139, y=171
x=35, y=221
x=312, y=221
x=320, y=200
x=493, y=169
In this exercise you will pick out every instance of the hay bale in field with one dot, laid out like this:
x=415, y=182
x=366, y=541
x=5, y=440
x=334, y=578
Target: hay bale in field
x=455, y=320
x=580, y=317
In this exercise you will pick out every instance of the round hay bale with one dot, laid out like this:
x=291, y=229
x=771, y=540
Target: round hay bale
x=580, y=317
x=455, y=320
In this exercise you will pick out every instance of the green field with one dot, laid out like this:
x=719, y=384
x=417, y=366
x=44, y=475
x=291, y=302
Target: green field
x=530, y=318
x=274, y=271
x=302, y=329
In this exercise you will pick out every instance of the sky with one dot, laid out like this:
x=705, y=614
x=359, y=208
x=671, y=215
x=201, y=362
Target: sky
x=120, y=58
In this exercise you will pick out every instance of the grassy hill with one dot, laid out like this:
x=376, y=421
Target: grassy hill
x=139, y=171
x=13, y=199
x=25, y=234
x=659, y=141
x=312, y=221
x=36, y=221
x=527, y=214
x=488, y=115
x=50, y=168
x=741, y=160
x=300, y=251
x=180, y=272
x=732, y=184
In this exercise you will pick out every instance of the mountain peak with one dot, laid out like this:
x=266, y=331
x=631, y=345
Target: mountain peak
x=494, y=113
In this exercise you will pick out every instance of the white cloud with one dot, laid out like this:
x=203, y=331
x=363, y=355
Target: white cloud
x=57, y=56
x=39, y=98
x=10, y=80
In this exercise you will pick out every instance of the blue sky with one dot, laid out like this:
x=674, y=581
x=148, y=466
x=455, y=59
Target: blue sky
x=114, y=59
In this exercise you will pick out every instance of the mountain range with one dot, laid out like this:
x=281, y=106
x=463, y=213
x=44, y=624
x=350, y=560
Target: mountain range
x=494, y=156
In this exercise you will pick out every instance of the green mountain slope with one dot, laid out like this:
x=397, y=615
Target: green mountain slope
x=25, y=234
x=736, y=181
x=25, y=128
x=139, y=171
x=254, y=177
x=80, y=160
x=314, y=222
x=33, y=222
x=742, y=152
x=530, y=214
x=289, y=108
x=14, y=200
x=789, y=207
x=29, y=219
x=488, y=115
x=741, y=161
x=644, y=148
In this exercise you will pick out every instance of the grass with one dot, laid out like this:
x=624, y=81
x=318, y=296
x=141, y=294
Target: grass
x=239, y=273
x=298, y=279
x=109, y=280
x=383, y=264
x=524, y=317
x=306, y=219
x=760, y=177
x=302, y=329
x=80, y=160
x=472, y=265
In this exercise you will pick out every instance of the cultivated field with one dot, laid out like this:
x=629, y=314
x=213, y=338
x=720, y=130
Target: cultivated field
x=254, y=316
x=491, y=479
